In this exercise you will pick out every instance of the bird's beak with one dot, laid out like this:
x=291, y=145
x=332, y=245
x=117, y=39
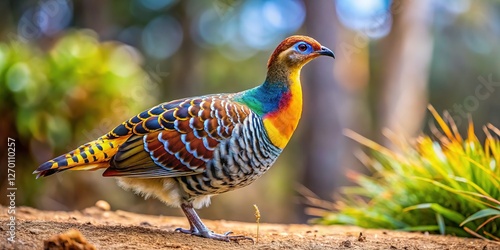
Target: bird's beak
x=324, y=51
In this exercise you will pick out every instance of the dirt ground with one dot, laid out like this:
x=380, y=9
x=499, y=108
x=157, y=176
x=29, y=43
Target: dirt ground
x=124, y=230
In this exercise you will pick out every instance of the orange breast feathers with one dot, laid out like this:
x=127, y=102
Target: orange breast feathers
x=281, y=123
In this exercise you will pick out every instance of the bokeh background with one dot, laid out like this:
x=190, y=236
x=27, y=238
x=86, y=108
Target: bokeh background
x=71, y=70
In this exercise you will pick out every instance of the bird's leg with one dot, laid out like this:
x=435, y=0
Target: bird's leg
x=199, y=229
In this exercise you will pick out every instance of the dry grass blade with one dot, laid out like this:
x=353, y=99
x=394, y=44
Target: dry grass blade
x=487, y=221
x=441, y=122
x=257, y=220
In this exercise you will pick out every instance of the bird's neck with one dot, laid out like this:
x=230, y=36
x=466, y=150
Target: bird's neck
x=279, y=102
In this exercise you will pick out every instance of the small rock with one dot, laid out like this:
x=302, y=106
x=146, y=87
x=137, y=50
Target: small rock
x=146, y=224
x=298, y=235
x=361, y=237
x=346, y=243
x=104, y=205
x=393, y=247
x=71, y=239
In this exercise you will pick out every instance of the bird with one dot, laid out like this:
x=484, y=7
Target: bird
x=185, y=151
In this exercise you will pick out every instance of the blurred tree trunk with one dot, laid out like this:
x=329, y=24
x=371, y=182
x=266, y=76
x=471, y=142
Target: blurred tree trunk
x=184, y=78
x=408, y=52
x=6, y=29
x=95, y=15
x=332, y=102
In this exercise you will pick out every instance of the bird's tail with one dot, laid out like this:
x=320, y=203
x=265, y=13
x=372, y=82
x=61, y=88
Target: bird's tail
x=90, y=156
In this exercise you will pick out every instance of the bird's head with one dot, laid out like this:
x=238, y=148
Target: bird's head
x=295, y=51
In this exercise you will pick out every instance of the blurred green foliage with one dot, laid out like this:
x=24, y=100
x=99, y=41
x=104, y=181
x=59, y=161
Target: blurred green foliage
x=51, y=96
x=74, y=92
x=450, y=186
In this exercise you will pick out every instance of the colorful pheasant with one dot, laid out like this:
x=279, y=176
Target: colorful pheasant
x=185, y=151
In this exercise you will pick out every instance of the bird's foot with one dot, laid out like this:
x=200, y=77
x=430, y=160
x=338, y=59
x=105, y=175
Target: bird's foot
x=211, y=235
x=186, y=231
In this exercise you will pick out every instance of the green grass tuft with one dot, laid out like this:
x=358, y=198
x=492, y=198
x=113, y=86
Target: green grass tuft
x=447, y=185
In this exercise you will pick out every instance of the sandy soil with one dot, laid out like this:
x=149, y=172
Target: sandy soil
x=123, y=230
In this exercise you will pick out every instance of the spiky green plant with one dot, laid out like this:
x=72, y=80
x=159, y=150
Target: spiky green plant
x=448, y=185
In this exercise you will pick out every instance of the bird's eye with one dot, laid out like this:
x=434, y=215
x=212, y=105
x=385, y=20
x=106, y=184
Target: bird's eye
x=302, y=47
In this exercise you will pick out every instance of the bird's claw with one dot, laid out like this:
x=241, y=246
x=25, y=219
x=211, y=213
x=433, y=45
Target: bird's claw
x=211, y=235
x=186, y=231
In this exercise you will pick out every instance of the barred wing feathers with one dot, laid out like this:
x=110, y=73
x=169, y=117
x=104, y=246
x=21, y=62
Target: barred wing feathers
x=176, y=138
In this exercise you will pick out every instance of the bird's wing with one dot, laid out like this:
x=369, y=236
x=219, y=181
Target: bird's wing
x=175, y=138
